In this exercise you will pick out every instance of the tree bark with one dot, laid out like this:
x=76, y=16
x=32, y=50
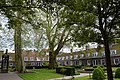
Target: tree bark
x=52, y=60
x=108, y=59
x=18, y=52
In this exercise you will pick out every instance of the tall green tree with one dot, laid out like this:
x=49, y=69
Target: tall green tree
x=17, y=12
x=105, y=24
x=57, y=30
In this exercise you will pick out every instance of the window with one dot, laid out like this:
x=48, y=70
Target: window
x=94, y=62
x=95, y=54
x=88, y=62
x=75, y=56
x=116, y=61
x=102, y=61
x=88, y=54
x=103, y=53
x=25, y=58
x=31, y=59
x=37, y=58
x=82, y=55
x=112, y=52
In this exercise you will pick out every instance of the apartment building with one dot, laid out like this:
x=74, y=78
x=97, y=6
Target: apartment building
x=88, y=57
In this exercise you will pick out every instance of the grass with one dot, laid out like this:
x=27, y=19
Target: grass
x=45, y=74
x=40, y=74
x=87, y=78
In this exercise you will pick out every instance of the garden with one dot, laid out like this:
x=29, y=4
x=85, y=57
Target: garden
x=45, y=74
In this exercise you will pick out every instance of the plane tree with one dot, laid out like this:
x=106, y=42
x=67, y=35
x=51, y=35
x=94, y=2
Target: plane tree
x=104, y=28
x=17, y=12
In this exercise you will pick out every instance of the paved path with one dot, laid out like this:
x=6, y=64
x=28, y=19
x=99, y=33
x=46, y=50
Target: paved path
x=70, y=77
x=9, y=76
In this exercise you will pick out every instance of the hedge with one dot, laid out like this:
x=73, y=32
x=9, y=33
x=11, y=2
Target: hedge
x=117, y=73
x=69, y=71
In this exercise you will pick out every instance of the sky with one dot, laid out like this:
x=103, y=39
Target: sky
x=7, y=39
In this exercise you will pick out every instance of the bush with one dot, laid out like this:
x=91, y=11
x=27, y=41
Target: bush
x=58, y=69
x=117, y=73
x=66, y=70
x=98, y=74
x=101, y=68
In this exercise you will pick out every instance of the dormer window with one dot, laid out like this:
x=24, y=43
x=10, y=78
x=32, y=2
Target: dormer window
x=95, y=54
x=82, y=55
x=112, y=52
x=88, y=54
x=103, y=53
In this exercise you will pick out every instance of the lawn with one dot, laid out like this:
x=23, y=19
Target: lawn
x=87, y=78
x=40, y=74
x=45, y=74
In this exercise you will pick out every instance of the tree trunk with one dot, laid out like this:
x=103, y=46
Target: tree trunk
x=52, y=60
x=18, y=52
x=108, y=59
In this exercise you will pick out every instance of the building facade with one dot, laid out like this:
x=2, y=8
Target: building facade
x=90, y=57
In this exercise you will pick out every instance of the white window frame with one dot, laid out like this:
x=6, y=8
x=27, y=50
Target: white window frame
x=88, y=62
x=37, y=59
x=103, y=53
x=25, y=58
x=102, y=60
x=82, y=55
x=115, y=61
x=75, y=56
x=94, y=63
x=31, y=58
x=95, y=54
x=88, y=54
x=111, y=52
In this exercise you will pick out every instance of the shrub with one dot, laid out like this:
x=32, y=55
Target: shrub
x=117, y=73
x=66, y=70
x=62, y=70
x=98, y=74
x=101, y=68
x=58, y=69
x=69, y=71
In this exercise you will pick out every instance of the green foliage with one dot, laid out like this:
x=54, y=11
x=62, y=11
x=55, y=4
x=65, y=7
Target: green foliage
x=117, y=73
x=101, y=69
x=66, y=70
x=40, y=74
x=63, y=70
x=45, y=63
x=98, y=74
